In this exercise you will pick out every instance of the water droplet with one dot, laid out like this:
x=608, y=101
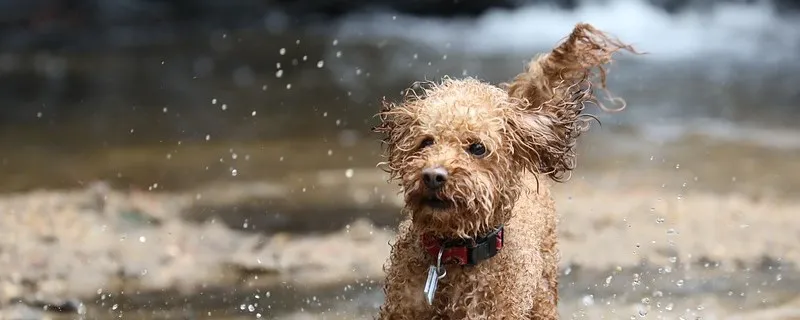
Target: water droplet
x=588, y=300
x=234, y=172
x=320, y=64
x=114, y=307
x=677, y=166
x=348, y=173
x=251, y=308
x=679, y=283
x=142, y=239
x=659, y=220
x=224, y=107
x=208, y=137
x=288, y=86
x=282, y=51
x=214, y=101
x=279, y=73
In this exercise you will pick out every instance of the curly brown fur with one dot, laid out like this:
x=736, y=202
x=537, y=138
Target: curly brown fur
x=556, y=87
x=528, y=130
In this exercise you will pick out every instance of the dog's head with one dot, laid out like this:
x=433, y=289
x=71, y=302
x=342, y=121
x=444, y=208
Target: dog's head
x=459, y=148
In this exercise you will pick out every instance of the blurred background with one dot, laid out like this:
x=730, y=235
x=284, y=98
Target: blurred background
x=210, y=159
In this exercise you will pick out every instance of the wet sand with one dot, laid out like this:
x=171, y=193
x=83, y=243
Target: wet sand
x=651, y=231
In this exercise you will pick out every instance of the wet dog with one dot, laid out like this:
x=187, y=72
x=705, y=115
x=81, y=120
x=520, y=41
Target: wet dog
x=473, y=160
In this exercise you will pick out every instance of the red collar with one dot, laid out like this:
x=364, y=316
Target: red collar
x=465, y=251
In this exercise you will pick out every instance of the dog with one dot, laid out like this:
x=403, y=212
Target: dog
x=479, y=236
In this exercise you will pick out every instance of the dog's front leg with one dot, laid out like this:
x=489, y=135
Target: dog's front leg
x=405, y=303
x=405, y=280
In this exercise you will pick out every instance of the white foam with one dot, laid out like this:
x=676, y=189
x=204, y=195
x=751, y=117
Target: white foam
x=749, y=32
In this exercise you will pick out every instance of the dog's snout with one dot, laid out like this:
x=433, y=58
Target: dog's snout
x=434, y=178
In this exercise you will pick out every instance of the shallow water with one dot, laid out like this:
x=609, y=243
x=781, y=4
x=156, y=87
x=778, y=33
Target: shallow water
x=654, y=289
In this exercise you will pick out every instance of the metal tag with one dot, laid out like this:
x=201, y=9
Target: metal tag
x=431, y=284
x=435, y=273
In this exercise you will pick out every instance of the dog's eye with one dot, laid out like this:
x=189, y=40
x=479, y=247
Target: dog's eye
x=477, y=149
x=425, y=143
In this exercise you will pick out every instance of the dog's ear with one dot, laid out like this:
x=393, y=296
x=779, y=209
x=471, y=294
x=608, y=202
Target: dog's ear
x=396, y=123
x=551, y=95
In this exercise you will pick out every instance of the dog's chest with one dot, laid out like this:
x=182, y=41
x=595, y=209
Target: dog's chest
x=468, y=287
x=472, y=292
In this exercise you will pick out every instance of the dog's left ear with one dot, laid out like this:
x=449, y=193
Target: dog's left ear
x=551, y=95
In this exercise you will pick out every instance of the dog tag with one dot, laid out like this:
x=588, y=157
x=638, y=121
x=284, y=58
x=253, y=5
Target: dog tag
x=431, y=284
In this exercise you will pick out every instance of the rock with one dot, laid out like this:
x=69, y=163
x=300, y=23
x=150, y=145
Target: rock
x=361, y=230
x=20, y=311
x=254, y=258
x=9, y=291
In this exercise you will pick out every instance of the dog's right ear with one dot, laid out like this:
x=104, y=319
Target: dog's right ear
x=396, y=125
x=551, y=95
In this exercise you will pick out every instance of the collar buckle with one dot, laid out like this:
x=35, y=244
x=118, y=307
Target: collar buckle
x=465, y=251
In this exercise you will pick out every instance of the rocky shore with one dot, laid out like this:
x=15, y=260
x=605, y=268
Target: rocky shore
x=627, y=249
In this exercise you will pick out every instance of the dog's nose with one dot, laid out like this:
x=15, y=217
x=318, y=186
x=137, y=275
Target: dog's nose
x=434, y=178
